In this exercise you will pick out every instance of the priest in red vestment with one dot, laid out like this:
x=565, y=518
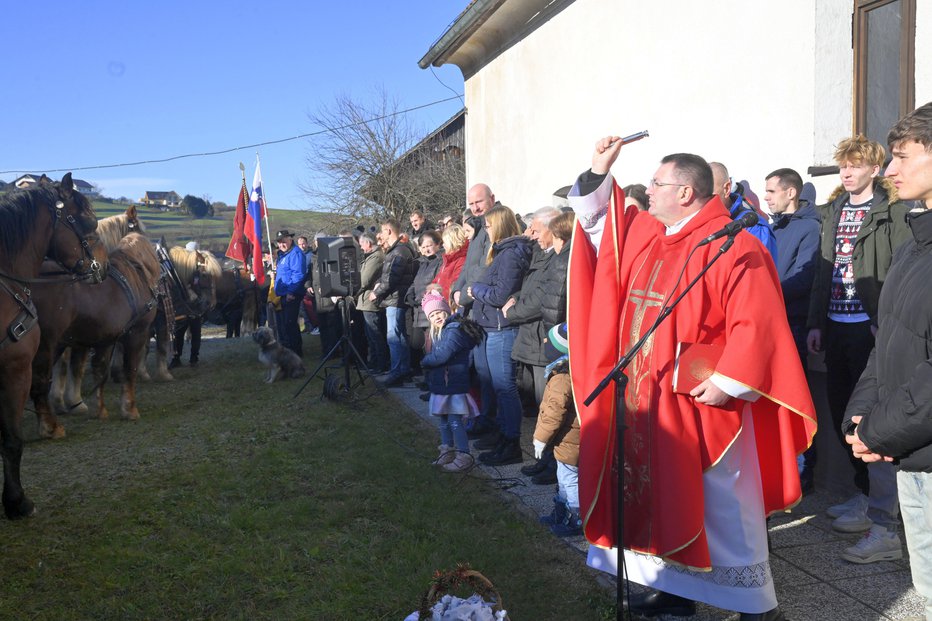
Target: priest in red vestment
x=702, y=469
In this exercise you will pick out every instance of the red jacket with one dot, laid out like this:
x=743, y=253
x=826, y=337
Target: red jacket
x=450, y=269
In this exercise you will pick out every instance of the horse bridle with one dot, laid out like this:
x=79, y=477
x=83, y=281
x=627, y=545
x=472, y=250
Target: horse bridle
x=95, y=272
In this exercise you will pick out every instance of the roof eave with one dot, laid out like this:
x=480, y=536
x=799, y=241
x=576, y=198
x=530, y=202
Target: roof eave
x=465, y=25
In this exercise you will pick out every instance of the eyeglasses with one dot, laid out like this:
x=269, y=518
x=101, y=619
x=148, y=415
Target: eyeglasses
x=659, y=184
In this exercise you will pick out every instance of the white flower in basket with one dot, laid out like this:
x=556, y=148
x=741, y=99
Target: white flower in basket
x=452, y=608
x=437, y=604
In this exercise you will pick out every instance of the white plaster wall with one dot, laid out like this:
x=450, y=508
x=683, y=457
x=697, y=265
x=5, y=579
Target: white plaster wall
x=923, y=52
x=728, y=80
x=756, y=85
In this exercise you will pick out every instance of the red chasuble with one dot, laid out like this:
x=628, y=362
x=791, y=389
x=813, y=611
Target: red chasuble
x=671, y=440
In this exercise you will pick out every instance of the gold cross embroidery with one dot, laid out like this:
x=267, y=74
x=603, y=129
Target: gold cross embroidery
x=638, y=473
x=642, y=300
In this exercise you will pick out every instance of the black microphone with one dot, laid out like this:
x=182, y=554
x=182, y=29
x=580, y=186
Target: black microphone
x=747, y=219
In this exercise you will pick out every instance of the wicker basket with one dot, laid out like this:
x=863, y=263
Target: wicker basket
x=444, y=582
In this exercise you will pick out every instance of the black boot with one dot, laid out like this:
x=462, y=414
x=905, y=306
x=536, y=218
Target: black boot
x=175, y=362
x=540, y=465
x=546, y=477
x=654, y=603
x=508, y=453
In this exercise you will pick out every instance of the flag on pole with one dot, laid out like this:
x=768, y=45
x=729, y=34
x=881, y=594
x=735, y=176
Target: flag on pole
x=239, y=247
x=252, y=227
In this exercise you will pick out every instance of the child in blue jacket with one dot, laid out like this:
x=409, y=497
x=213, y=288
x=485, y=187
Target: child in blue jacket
x=446, y=371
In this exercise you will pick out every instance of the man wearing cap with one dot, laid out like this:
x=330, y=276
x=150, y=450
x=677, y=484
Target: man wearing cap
x=291, y=272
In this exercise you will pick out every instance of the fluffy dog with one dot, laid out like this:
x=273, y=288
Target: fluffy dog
x=282, y=363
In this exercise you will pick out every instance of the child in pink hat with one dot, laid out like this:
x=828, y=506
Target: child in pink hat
x=446, y=371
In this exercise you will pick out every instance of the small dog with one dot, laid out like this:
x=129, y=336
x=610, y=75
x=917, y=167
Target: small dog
x=282, y=363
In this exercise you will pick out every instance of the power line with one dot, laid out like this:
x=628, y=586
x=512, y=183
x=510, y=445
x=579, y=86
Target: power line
x=447, y=87
x=232, y=149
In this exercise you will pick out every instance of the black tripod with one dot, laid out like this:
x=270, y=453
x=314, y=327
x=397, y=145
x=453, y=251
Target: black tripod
x=333, y=383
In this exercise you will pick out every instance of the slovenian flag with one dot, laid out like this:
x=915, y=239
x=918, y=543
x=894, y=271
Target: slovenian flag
x=252, y=229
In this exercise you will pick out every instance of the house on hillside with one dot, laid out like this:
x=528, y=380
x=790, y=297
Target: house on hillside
x=756, y=85
x=80, y=185
x=169, y=199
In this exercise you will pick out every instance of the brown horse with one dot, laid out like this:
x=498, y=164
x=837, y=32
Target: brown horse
x=119, y=309
x=237, y=296
x=47, y=220
x=68, y=372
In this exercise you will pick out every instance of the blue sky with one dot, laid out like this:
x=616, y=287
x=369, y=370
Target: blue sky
x=108, y=82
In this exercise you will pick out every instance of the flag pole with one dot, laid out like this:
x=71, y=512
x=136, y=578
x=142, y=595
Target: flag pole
x=245, y=196
x=265, y=201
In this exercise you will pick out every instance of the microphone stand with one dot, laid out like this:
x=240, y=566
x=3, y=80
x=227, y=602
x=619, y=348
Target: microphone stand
x=617, y=375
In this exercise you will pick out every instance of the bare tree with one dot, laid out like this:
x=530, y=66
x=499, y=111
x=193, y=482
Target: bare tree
x=366, y=166
x=435, y=181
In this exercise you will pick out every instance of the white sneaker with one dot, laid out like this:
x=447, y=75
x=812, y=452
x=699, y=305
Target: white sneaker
x=840, y=509
x=877, y=544
x=447, y=455
x=855, y=521
x=462, y=463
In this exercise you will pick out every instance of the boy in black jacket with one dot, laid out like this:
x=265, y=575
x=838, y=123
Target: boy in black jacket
x=889, y=416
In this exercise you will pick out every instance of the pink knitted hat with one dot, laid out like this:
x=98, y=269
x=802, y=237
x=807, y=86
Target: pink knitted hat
x=433, y=301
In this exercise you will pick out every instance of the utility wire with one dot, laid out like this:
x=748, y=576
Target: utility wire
x=437, y=77
x=233, y=149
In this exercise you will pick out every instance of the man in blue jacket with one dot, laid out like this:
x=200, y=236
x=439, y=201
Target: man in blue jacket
x=796, y=231
x=290, y=274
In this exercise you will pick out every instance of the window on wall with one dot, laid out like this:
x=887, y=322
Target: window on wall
x=884, y=75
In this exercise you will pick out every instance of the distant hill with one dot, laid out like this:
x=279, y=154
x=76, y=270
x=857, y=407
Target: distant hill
x=214, y=232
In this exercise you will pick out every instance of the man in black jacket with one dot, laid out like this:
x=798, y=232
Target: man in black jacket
x=397, y=275
x=889, y=415
x=480, y=199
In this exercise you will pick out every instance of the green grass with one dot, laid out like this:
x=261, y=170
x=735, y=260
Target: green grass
x=229, y=499
x=214, y=232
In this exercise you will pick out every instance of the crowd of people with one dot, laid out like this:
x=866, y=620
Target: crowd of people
x=479, y=306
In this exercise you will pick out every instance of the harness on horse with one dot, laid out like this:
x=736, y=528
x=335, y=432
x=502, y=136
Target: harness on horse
x=24, y=321
x=168, y=271
x=131, y=298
